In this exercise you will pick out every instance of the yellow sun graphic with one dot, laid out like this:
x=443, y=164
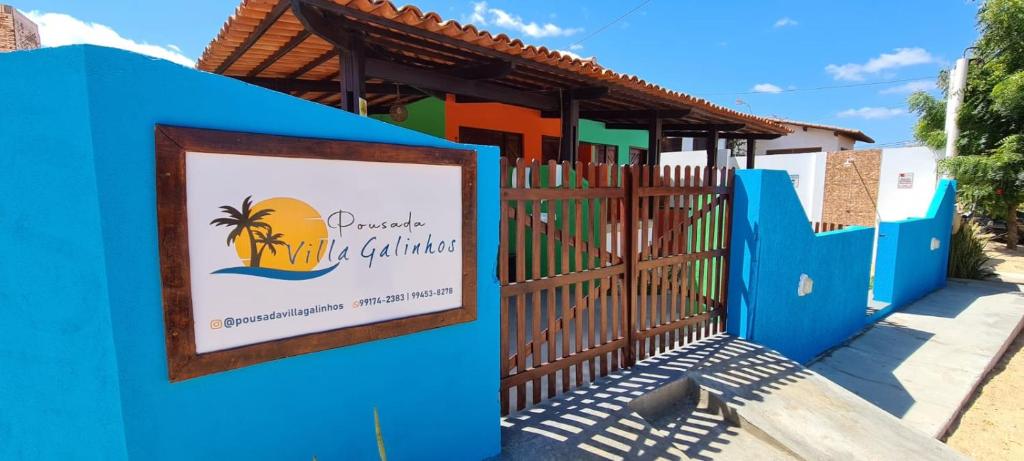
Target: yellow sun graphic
x=295, y=240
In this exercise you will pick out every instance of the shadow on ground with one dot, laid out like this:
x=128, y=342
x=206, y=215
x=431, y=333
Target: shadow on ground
x=599, y=422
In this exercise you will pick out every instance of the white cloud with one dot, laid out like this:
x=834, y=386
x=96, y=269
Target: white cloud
x=766, y=88
x=900, y=57
x=910, y=87
x=576, y=47
x=57, y=29
x=482, y=15
x=870, y=113
x=785, y=22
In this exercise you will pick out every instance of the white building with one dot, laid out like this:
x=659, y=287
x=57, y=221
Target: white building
x=811, y=137
x=805, y=138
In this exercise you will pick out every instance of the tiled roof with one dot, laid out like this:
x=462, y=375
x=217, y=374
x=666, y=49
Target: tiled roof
x=251, y=13
x=855, y=134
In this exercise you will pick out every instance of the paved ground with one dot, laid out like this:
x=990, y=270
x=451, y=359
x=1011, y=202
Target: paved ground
x=992, y=427
x=1007, y=264
x=720, y=398
x=922, y=363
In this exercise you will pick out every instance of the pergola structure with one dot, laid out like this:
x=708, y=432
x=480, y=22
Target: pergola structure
x=353, y=52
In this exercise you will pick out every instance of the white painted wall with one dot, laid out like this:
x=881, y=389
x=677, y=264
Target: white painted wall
x=810, y=170
x=695, y=158
x=895, y=202
x=809, y=137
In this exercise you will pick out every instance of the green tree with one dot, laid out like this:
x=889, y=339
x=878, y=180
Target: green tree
x=989, y=167
x=247, y=220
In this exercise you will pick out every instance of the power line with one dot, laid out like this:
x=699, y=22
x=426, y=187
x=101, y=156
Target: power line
x=830, y=87
x=602, y=28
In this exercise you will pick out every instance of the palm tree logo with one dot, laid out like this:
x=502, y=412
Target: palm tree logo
x=268, y=240
x=251, y=222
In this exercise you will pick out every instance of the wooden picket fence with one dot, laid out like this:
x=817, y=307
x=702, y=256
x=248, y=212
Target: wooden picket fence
x=820, y=227
x=602, y=265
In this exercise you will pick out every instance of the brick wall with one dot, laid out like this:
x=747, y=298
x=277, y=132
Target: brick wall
x=16, y=31
x=6, y=28
x=850, y=198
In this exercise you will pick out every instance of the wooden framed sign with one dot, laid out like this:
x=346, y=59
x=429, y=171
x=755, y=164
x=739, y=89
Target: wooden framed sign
x=274, y=246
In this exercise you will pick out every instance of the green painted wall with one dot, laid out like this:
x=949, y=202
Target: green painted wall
x=595, y=132
x=428, y=116
x=425, y=116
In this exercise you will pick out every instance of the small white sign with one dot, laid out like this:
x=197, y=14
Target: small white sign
x=795, y=179
x=282, y=247
x=905, y=181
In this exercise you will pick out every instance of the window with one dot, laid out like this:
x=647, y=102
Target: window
x=510, y=144
x=637, y=156
x=793, y=150
x=549, y=148
x=598, y=153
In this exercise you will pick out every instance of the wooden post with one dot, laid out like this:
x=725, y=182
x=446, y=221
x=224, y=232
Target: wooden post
x=570, y=143
x=750, y=153
x=712, y=147
x=629, y=229
x=654, y=140
x=352, y=62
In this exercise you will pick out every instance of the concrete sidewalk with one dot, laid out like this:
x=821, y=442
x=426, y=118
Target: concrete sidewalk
x=719, y=398
x=922, y=363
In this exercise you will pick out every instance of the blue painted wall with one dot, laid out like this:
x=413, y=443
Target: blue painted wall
x=906, y=266
x=772, y=245
x=82, y=341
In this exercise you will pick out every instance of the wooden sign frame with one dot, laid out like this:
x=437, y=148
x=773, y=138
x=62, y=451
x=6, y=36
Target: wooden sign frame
x=172, y=143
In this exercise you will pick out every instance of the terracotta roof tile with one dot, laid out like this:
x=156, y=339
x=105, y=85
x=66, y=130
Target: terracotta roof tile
x=250, y=13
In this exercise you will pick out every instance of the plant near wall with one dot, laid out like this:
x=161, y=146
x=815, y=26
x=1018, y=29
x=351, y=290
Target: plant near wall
x=967, y=257
x=990, y=169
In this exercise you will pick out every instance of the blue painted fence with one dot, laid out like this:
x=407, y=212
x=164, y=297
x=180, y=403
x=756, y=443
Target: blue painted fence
x=913, y=254
x=772, y=246
x=82, y=358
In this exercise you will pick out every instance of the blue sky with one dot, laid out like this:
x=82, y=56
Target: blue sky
x=770, y=54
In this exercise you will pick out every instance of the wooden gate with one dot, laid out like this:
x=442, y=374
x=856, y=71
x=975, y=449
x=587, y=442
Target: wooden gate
x=602, y=265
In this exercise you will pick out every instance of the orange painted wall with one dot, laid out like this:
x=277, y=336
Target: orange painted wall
x=501, y=117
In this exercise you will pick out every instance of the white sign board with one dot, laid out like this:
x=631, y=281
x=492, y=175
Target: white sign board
x=905, y=181
x=282, y=247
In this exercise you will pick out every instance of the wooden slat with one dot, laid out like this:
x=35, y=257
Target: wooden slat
x=658, y=190
x=548, y=194
x=503, y=262
x=578, y=238
x=566, y=289
x=552, y=300
x=573, y=359
x=520, y=277
x=535, y=307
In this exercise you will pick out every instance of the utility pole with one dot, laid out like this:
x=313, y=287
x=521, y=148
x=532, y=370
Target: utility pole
x=954, y=99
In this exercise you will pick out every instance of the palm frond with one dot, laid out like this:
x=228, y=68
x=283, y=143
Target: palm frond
x=261, y=214
x=225, y=222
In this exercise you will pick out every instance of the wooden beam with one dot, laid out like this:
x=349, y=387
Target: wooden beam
x=633, y=114
x=346, y=38
x=701, y=134
x=352, y=62
x=257, y=34
x=486, y=71
x=428, y=79
x=751, y=147
x=678, y=126
x=323, y=86
x=712, y=147
x=589, y=93
x=570, y=142
x=288, y=47
x=654, y=127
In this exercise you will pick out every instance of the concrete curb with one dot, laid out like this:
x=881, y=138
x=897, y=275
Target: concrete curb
x=943, y=433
